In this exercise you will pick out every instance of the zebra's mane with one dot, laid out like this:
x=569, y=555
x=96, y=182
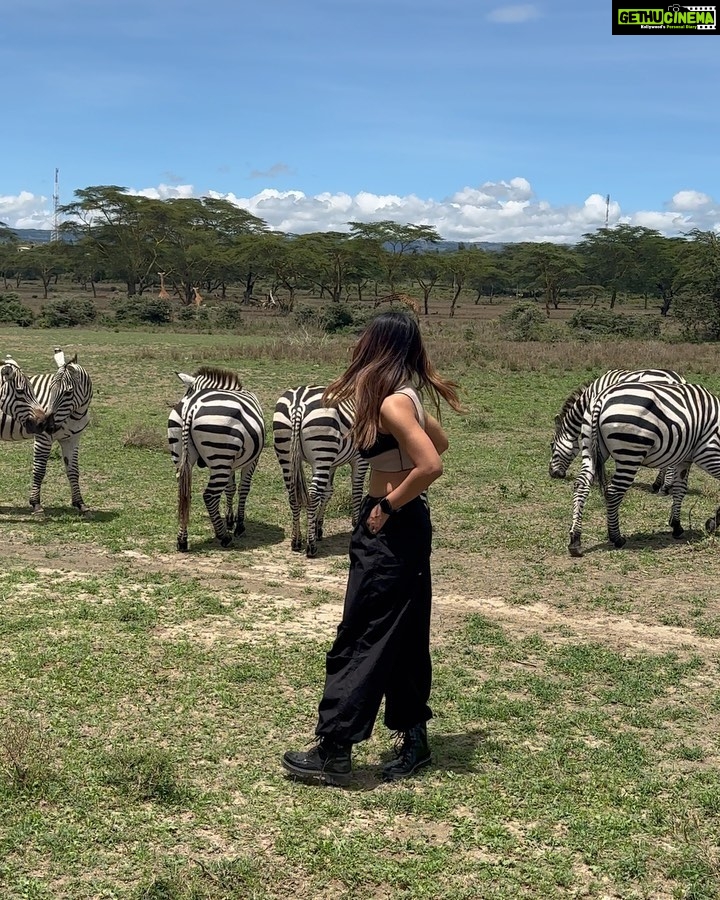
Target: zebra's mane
x=218, y=375
x=569, y=403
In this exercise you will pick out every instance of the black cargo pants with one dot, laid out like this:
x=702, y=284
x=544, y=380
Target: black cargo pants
x=382, y=646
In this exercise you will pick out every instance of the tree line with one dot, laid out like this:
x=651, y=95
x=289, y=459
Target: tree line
x=211, y=244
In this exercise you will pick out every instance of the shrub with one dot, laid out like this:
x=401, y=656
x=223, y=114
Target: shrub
x=66, y=312
x=150, y=310
x=524, y=322
x=228, y=315
x=591, y=323
x=13, y=310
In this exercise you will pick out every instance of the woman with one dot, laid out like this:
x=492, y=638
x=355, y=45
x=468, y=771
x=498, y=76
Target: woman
x=382, y=648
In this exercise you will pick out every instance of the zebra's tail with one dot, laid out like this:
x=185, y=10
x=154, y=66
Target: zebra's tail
x=184, y=475
x=298, y=484
x=598, y=460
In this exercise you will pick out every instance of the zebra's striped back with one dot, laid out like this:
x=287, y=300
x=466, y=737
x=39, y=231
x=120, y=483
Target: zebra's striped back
x=305, y=431
x=221, y=430
x=566, y=441
x=653, y=424
x=646, y=424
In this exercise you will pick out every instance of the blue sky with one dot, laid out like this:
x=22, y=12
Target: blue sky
x=489, y=120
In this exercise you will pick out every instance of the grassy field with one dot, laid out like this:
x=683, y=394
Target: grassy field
x=146, y=696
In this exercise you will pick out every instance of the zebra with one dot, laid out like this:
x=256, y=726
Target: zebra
x=219, y=426
x=306, y=431
x=566, y=441
x=65, y=395
x=646, y=424
x=19, y=407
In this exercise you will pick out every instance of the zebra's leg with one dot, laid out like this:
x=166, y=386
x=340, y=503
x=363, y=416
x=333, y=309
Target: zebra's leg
x=358, y=471
x=623, y=477
x=212, y=496
x=230, y=502
x=322, y=504
x=70, y=448
x=316, y=491
x=659, y=483
x=41, y=455
x=678, y=489
x=582, y=490
x=243, y=491
x=710, y=463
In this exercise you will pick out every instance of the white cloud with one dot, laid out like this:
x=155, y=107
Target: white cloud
x=513, y=15
x=493, y=211
x=689, y=200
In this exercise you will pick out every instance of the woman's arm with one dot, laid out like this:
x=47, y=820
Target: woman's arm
x=436, y=433
x=397, y=416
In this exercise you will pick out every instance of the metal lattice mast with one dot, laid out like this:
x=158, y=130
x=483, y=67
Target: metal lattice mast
x=56, y=203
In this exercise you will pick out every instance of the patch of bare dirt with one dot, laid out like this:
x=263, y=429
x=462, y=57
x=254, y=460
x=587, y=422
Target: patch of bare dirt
x=280, y=588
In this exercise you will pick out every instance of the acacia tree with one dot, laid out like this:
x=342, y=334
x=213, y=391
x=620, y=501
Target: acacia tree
x=47, y=261
x=8, y=252
x=613, y=257
x=698, y=284
x=121, y=228
x=551, y=268
x=428, y=269
x=327, y=258
x=393, y=241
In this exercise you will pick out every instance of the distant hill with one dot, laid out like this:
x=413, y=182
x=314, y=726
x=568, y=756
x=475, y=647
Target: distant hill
x=33, y=235
x=42, y=235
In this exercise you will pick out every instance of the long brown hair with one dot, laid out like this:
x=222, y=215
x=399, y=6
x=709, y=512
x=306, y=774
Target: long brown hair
x=389, y=353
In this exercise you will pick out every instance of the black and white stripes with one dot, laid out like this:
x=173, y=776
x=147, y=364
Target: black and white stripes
x=65, y=396
x=566, y=441
x=220, y=426
x=646, y=424
x=304, y=431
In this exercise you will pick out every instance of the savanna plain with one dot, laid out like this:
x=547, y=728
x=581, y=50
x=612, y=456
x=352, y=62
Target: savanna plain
x=146, y=696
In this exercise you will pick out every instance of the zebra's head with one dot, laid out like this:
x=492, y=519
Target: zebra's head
x=565, y=444
x=17, y=399
x=63, y=390
x=563, y=450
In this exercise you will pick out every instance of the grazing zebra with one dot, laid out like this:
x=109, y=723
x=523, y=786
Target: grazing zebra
x=646, y=424
x=19, y=407
x=306, y=431
x=65, y=395
x=219, y=426
x=566, y=442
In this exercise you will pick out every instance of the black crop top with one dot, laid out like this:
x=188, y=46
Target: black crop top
x=385, y=454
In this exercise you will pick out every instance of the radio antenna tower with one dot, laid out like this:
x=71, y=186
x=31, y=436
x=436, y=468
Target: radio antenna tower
x=56, y=202
x=607, y=209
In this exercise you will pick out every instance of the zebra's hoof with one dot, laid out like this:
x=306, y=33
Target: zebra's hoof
x=618, y=542
x=575, y=551
x=239, y=529
x=182, y=546
x=678, y=531
x=297, y=546
x=226, y=540
x=311, y=551
x=38, y=512
x=710, y=526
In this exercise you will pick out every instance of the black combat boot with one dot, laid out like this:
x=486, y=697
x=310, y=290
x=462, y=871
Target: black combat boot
x=329, y=761
x=412, y=753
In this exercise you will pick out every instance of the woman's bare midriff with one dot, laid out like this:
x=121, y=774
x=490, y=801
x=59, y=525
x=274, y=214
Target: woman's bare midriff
x=379, y=481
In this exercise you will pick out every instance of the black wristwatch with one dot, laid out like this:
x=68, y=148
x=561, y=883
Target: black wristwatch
x=386, y=506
